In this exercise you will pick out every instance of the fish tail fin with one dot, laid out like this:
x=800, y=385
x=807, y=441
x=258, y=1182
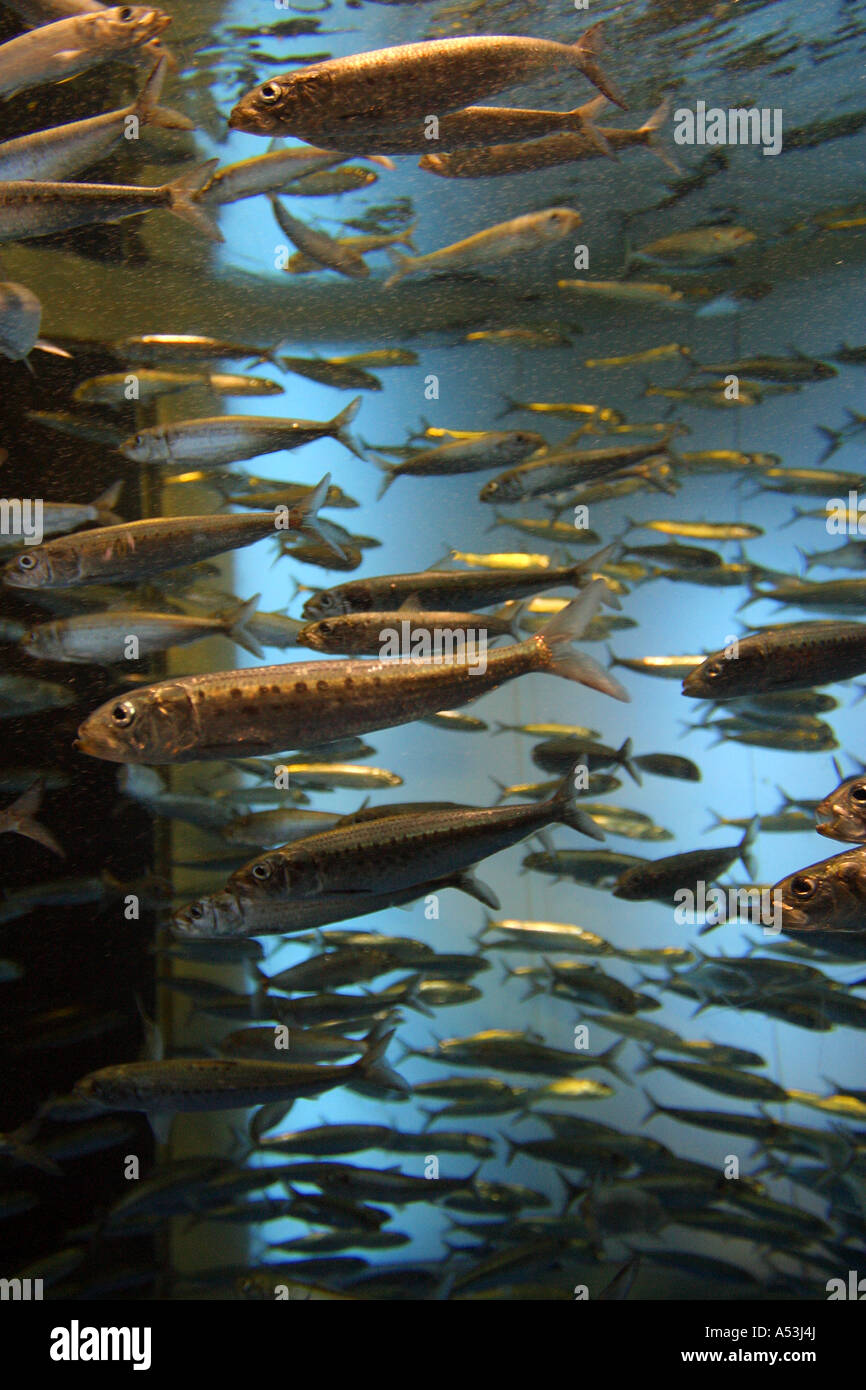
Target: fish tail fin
x=582, y=120
x=502, y=790
x=146, y=105
x=512, y=613
x=834, y=438
x=566, y=627
x=608, y=1059
x=305, y=516
x=625, y=760
x=654, y=1108
x=105, y=502
x=563, y=808
x=340, y=423
x=655, y=141
x=808, y=560
x=390, y=474
x=587, y=52
x=746, y=844
x=405, y=238
x=372, y=1067
x=20, y=818
x=717, y=819
x=511, y=1148
x=182, y=199
x=403, y=265
x=796, y=513
x=236, y=625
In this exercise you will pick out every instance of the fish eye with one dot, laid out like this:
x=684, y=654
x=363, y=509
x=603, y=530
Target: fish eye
x=803, y=887
x=858, y=793
x=26, y=561
x=123, y=715
x=713, y=671
x=125, y=14
x=196, y=911
x=325, y=600
x=261, y=871
x=270, y=93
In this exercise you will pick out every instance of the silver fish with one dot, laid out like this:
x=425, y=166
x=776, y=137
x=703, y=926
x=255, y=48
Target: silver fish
x=264, y=709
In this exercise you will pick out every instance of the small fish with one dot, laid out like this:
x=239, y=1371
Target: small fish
x=61, y=152
x=793, y=657
x=56, y=51
x=366, y=634
x=669, y=765
x=158, y=348
x=525, y=337
x=489, y=449
x=693, y=249
x=351, y=697
x=564, y=147
x=703, y=530
x=30, y=208
x=318, y=246
x=445, y=590
x=274, y=172
x=373, y=854
x=663, y=879
x=628, y=292
x=726, y=1080
x=407, y=82
x=329, y=183
x=116, y=389
x=798, y=368
x=224, y=439
x=633, y=359
x=139, y=549
x=105, y=637
x=186, y=1084
x=21, y=695
x=520, y=235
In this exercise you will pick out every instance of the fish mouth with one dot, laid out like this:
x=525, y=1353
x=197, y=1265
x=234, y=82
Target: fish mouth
x=839, y=826
x=794, y=918
x=97, y=746
x=252, y=122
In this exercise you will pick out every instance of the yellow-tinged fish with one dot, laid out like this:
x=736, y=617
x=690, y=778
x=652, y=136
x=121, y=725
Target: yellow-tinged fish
x=628, y=292
x=635, y=358
x=704, y=530
x=518, y=236
x=693, y=249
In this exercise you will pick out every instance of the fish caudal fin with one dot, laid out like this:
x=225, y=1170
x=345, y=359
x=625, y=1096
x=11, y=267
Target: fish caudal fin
x=563, y=808
x=624, y=756
x=655, y=142
x=340, y=423
x=105, y=502
x=305, y=517
x=588, y=52
x=20, y=819
x=236, y=625
x=566, y=627
x=403, y=265
x=182, y=199
x=582, y=121
x=146, y=106
x=373, y=1068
